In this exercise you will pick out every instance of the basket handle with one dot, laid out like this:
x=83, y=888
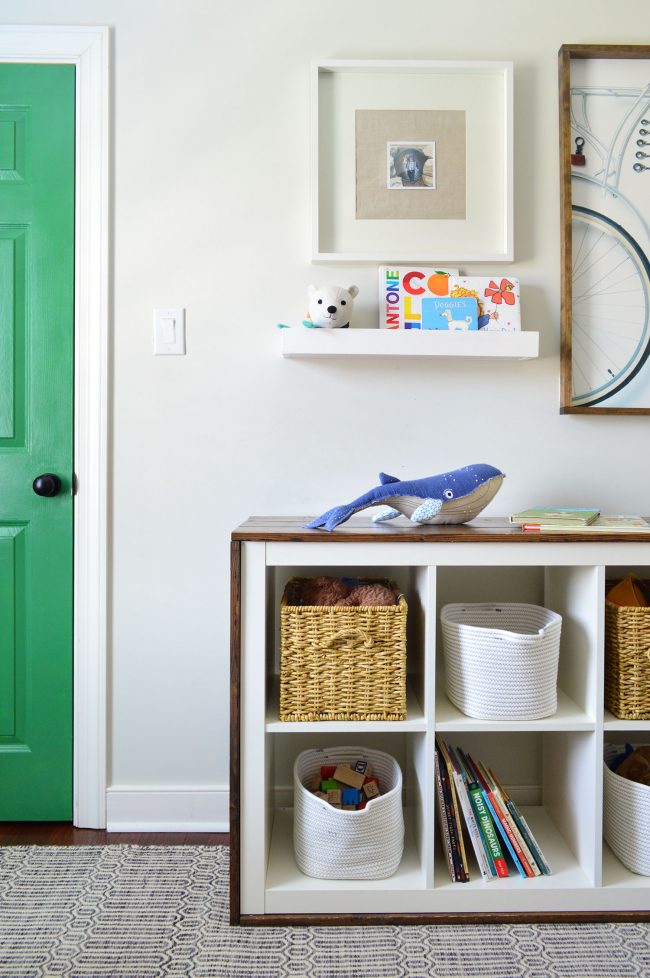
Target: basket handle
x=363, y=639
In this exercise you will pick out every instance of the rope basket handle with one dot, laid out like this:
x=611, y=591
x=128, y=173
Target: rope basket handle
x=363, y=639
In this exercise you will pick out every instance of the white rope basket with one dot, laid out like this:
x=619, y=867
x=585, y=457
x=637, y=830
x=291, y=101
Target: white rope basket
x=626, y=817
x=501, y=659
x=333, y=844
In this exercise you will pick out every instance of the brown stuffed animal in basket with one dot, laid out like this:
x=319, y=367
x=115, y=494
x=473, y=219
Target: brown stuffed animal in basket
x=368, y=594
x=323, y=591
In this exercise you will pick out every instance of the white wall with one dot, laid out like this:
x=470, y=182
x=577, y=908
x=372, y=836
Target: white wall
x=211, y=212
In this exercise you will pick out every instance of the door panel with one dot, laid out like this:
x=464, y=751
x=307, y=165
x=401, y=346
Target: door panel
x=36, y=427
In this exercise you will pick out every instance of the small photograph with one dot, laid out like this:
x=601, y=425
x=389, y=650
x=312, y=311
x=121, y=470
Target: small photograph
x=411, y=166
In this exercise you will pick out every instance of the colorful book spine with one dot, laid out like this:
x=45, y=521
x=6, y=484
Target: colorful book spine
x=453, y=825
x=444, y=825
x=456, y=807
x=485, y=865
x=488, y=829
x=529, y=843
x=487, y=826
x=504, y=824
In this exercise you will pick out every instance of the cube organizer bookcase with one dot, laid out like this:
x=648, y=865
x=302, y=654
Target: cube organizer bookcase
x=552, y=767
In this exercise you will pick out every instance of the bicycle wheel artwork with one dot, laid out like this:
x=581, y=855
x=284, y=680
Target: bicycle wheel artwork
x=605, y=165
x=610, y=302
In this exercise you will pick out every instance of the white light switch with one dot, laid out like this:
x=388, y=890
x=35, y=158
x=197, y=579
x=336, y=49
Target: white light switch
x=169, y=332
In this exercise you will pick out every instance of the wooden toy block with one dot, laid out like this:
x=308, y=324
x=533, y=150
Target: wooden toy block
x=351, y=796
x=334, y=797
x=362, y=804
x=371, y=790
x=346, y=775
x=321, y=794
x=363, y=767
x=327, y=772
x=315, y=782
x=329, y=785
x=349, y=808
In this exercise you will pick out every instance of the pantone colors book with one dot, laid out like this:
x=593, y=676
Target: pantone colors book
x=401, y=290
x=498, y=300
x=456, y=315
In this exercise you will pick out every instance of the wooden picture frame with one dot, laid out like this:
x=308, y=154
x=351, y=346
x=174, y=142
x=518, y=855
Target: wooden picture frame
x=605, y=221
x=481, y=90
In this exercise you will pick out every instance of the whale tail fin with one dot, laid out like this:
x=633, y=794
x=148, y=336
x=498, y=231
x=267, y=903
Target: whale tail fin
x=332, y=518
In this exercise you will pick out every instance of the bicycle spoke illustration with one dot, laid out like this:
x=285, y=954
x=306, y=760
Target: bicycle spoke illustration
x=610, y=275
x=611, y=290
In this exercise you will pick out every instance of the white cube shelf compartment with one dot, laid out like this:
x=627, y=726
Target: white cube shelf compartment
x=552, y=766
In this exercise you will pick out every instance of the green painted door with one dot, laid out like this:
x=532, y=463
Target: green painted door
x=36, y=437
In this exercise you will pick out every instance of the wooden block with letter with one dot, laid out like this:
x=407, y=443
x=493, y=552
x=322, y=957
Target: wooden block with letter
x=371, y=789
x=346, y=775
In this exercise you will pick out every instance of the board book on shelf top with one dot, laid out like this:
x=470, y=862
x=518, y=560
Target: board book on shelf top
x=602, y=524
x=402, y=289
x=566, y=516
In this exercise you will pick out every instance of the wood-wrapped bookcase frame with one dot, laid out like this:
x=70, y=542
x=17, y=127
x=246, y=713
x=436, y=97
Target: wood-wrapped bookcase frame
x=553, y=766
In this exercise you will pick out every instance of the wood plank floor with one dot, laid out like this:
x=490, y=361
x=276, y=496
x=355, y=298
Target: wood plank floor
x=65, y=834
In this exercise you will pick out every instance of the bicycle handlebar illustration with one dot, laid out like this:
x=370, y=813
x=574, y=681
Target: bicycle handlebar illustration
x=611, y=271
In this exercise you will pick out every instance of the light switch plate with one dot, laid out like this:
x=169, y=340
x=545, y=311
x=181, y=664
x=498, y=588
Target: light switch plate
x=169, y=332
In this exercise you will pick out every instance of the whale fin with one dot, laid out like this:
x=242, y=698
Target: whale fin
x=426, y=511
x=385, y=513
x=386, y=479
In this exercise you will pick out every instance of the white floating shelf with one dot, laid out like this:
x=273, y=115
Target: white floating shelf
x=303, y=342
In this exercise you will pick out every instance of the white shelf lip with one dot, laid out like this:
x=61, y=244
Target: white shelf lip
x=414, y=723
x=479, y=345
x=568, y=716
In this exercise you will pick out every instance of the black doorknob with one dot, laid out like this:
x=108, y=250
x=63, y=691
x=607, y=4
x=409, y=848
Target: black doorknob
x=47, y=484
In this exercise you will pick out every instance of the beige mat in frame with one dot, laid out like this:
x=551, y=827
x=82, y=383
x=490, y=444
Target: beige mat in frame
x=375, y=129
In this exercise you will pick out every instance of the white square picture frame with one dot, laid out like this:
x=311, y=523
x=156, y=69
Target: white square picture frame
x=483, y=90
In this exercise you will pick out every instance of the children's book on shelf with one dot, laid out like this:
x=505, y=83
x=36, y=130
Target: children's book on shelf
x=565, y=516
x=484, y=818
x=492, y=821
x=499, y=301
x=602, y=524
x=443, y=821
x=455, y=315
x=402, y=289
x=483, y=859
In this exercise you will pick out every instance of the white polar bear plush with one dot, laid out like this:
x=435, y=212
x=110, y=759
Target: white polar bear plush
x=331, y=306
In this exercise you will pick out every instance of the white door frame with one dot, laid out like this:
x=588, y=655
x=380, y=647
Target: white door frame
x=88, y=49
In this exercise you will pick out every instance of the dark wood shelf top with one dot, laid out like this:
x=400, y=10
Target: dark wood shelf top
x=361, y=529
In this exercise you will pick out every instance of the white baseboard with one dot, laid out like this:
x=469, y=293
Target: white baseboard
x=167, y=809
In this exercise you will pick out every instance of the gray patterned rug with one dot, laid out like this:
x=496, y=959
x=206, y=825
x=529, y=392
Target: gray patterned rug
x=162, y=912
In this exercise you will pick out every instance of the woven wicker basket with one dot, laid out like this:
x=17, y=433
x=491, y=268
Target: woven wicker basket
x=332, y=844
x=626, y=817
x=342, y=663
x=627, y=661
x=501, y=660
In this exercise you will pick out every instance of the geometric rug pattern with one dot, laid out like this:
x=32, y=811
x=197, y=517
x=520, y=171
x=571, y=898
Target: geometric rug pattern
x=162, y=912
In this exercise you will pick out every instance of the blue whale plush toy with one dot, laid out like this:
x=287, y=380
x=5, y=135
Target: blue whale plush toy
x=451, y=497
